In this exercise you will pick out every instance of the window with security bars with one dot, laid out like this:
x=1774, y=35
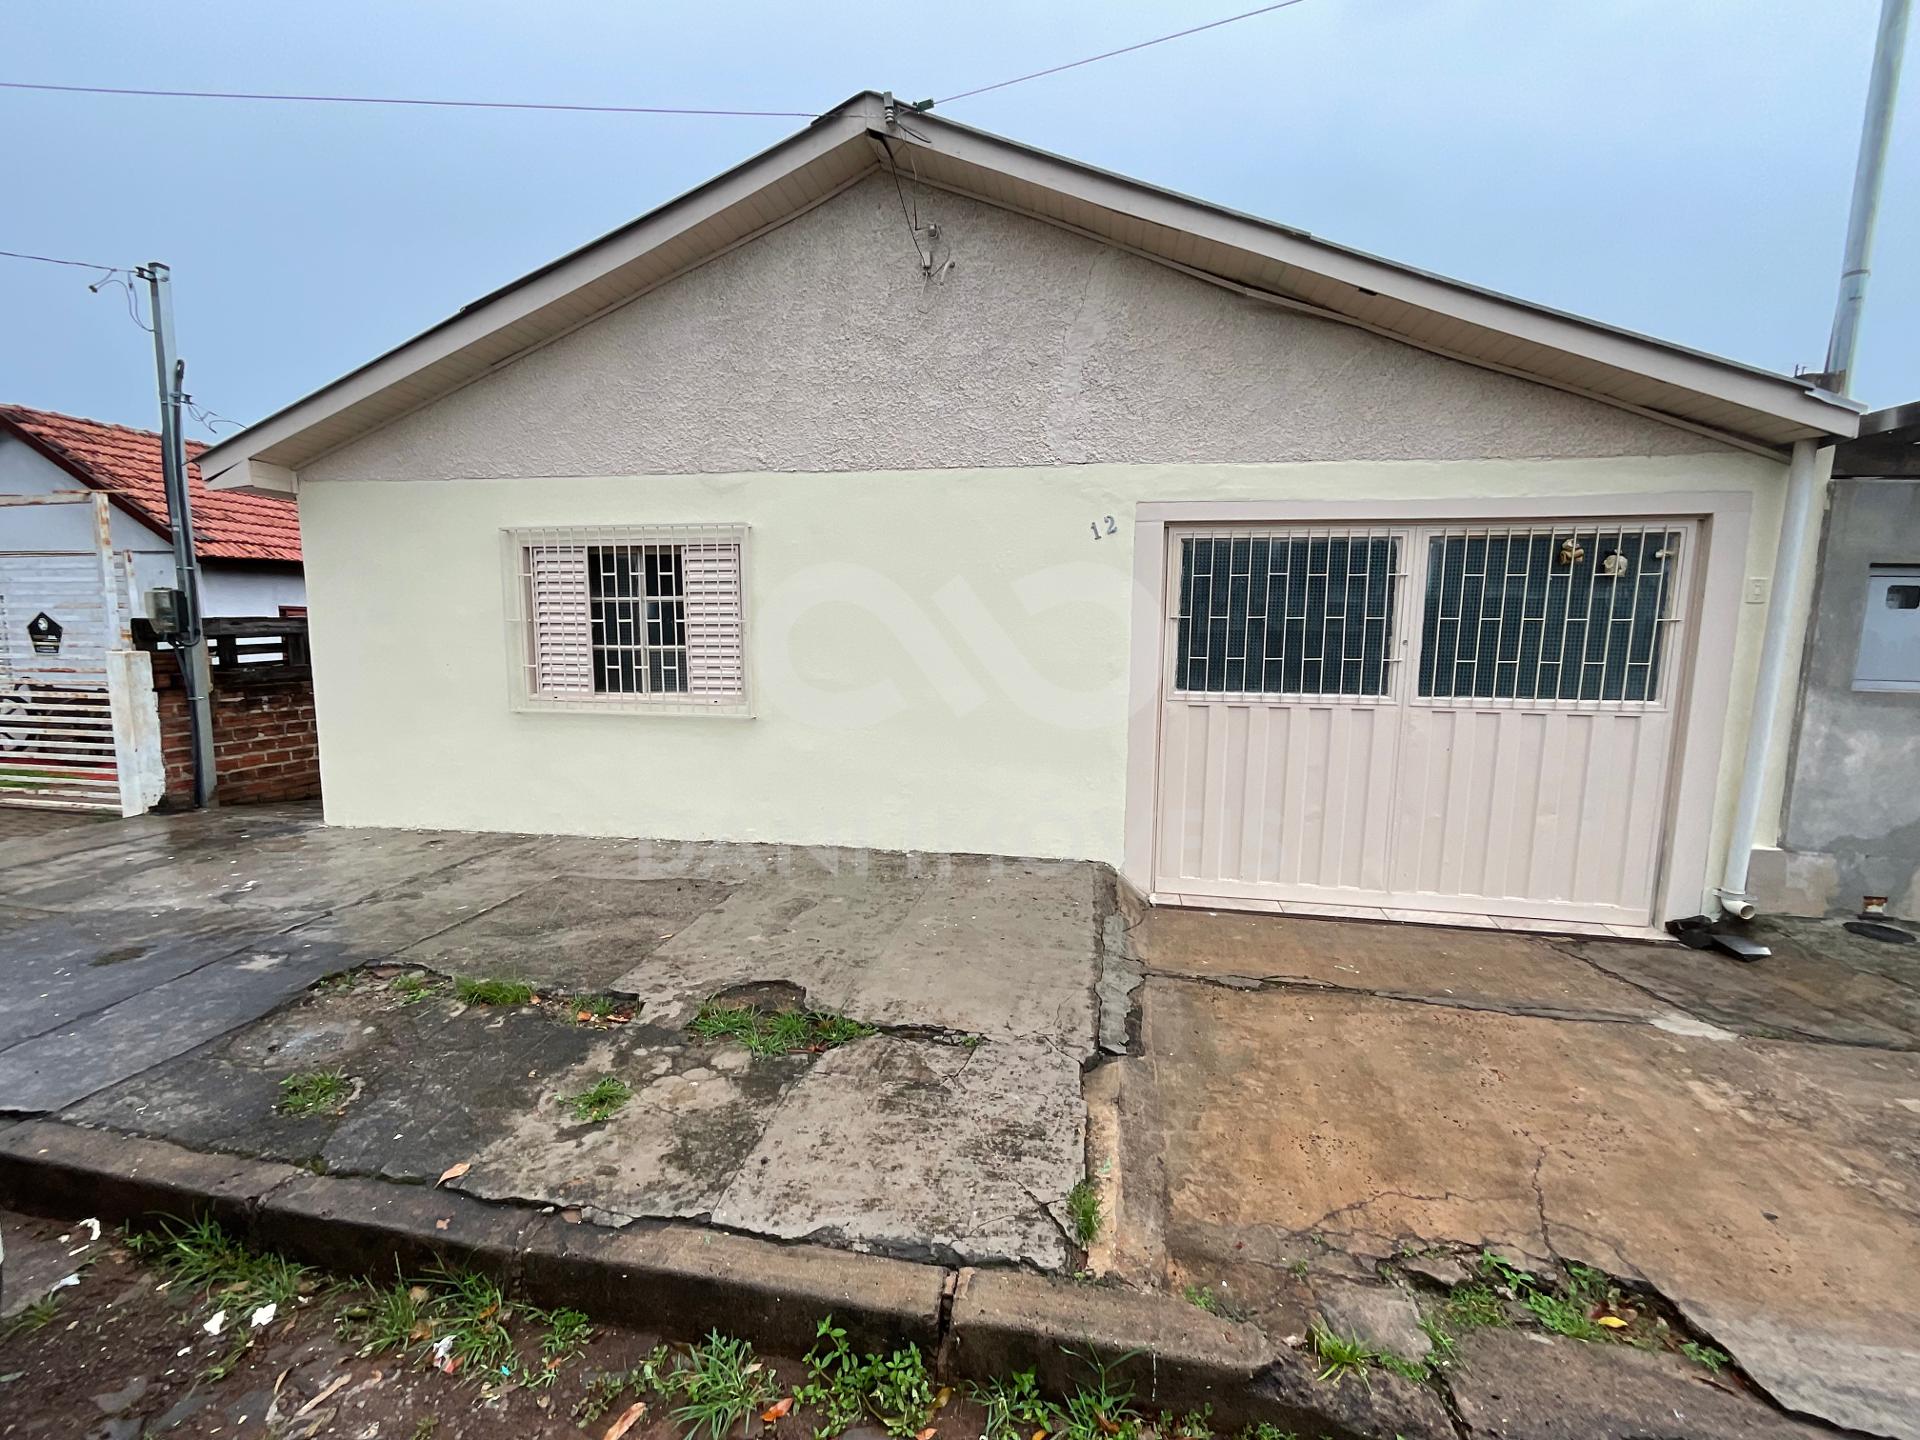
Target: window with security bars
x=1536, y=614
x=618, y=618
x=1275, y=612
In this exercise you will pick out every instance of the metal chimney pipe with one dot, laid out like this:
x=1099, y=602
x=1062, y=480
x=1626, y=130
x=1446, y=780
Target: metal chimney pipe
x=1883, y=86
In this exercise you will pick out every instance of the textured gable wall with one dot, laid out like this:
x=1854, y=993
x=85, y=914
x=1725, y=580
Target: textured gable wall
x=820, y=347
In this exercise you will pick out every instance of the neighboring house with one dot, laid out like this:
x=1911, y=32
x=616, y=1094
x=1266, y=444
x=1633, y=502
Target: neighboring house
x=909, y=487
x=1853, y=790
x=86, y=719
x=249, y=545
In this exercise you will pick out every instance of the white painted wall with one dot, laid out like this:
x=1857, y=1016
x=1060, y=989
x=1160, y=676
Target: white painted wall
x=226, y=589
x=938, y=658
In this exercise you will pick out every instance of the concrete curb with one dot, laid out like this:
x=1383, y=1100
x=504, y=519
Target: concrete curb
x=680, y=1280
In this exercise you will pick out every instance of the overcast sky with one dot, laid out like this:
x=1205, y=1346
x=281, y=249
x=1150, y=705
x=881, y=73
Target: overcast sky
x=1677, y=168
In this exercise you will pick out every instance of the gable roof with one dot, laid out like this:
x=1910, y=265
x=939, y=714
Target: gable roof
x=1291, y=267
x=126, y=464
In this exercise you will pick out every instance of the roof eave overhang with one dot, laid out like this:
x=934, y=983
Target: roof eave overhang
x=1702, y=392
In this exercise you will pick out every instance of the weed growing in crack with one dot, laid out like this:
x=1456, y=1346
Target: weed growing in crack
x=1475, y=1307
x=594, y=1007
x=776, y=1032
x=475, y=990
x=1201, y=1296
x=1418, y=1371
x=412, y=989
x=1083, y=1207
x=1445, y=1352
x=311, y=1091
x=1194, y=1425
x=1340, y=1355
x=600, y=1101
x=847, y=1387
x=1562, y=1316
x=1707, y=1355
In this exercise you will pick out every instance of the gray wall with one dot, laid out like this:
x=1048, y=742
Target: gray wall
x=1853, y=800
x=821, y=347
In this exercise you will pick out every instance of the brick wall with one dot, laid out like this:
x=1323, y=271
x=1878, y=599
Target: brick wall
x=264, y=741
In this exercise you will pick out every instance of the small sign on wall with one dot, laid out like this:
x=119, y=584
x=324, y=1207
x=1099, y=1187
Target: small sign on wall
x=45, y=632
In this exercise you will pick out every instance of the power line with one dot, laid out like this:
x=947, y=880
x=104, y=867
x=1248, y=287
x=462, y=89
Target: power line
x=1123, y=50
x=56, y=260
x=291, y=98
x=402, y=100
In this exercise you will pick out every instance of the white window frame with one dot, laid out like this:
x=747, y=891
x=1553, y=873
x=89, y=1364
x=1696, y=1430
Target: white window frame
x=517, y=549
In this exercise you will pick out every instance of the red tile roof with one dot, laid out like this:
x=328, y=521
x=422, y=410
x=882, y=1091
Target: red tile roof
x=126, y=464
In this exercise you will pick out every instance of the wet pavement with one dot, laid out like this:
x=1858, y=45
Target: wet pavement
x=1308, y=1119
x=1316, y=1101
x=171, y=971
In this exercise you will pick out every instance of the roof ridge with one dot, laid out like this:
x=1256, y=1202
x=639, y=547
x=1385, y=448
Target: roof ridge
x=12, y=411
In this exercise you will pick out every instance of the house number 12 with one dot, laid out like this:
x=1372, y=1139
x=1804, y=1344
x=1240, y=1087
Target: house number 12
x=1103, y=526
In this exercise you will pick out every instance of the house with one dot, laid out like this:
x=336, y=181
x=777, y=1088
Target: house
x=1852, y=823
x=910, y=487
x=249, y=545
x=87, y=719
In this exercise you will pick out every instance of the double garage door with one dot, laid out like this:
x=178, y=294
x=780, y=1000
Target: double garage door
x=1471, y=717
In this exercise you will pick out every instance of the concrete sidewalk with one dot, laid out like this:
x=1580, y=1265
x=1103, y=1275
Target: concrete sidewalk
x=1326, y=1116
x=1293, y=1122
x=148, y=955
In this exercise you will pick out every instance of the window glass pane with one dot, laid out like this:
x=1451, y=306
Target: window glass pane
x=1285, y=614
x=1539, y=615
x=637, y=606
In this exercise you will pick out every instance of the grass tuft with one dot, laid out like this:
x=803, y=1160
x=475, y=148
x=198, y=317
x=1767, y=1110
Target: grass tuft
x=1340, y=1355
x=776, y=1032
x=1083, y=1207
x=203, y=1257
x=1014, y=1407
x=473, y=990
x=721, y=1384
x=310, y=1091
x=35, y=1315
x=600, y=1101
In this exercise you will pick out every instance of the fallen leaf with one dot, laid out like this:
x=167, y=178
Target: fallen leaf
x=418, y=1294
x=442, y=1224
x=754, y=1369
x=774, y=1411
x=454, y=1172
x=1107, y=1427
x=627, y=1419
x=940, y=1400
x=1612, y=1322
x=1039, y=1435
x=322, y=1395
x=926, y=1434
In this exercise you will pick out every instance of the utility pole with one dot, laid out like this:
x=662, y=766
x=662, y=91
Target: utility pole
x=1883, y=85
x=189, y=640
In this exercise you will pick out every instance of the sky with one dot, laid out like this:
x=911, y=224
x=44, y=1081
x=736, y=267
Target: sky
x=1678, y=169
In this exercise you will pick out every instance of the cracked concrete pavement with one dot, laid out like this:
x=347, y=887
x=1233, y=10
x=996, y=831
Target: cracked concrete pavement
x=1312, y=1098
x=167, y=967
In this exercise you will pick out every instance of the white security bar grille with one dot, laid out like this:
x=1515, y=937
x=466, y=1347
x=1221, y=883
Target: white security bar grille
x=629, y=618
x=1573, y=612
x=1287, y=611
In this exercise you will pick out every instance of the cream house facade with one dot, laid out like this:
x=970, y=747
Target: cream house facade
x=906, y=487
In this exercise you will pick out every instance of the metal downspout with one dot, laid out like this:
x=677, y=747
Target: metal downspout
x=1795, y=522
